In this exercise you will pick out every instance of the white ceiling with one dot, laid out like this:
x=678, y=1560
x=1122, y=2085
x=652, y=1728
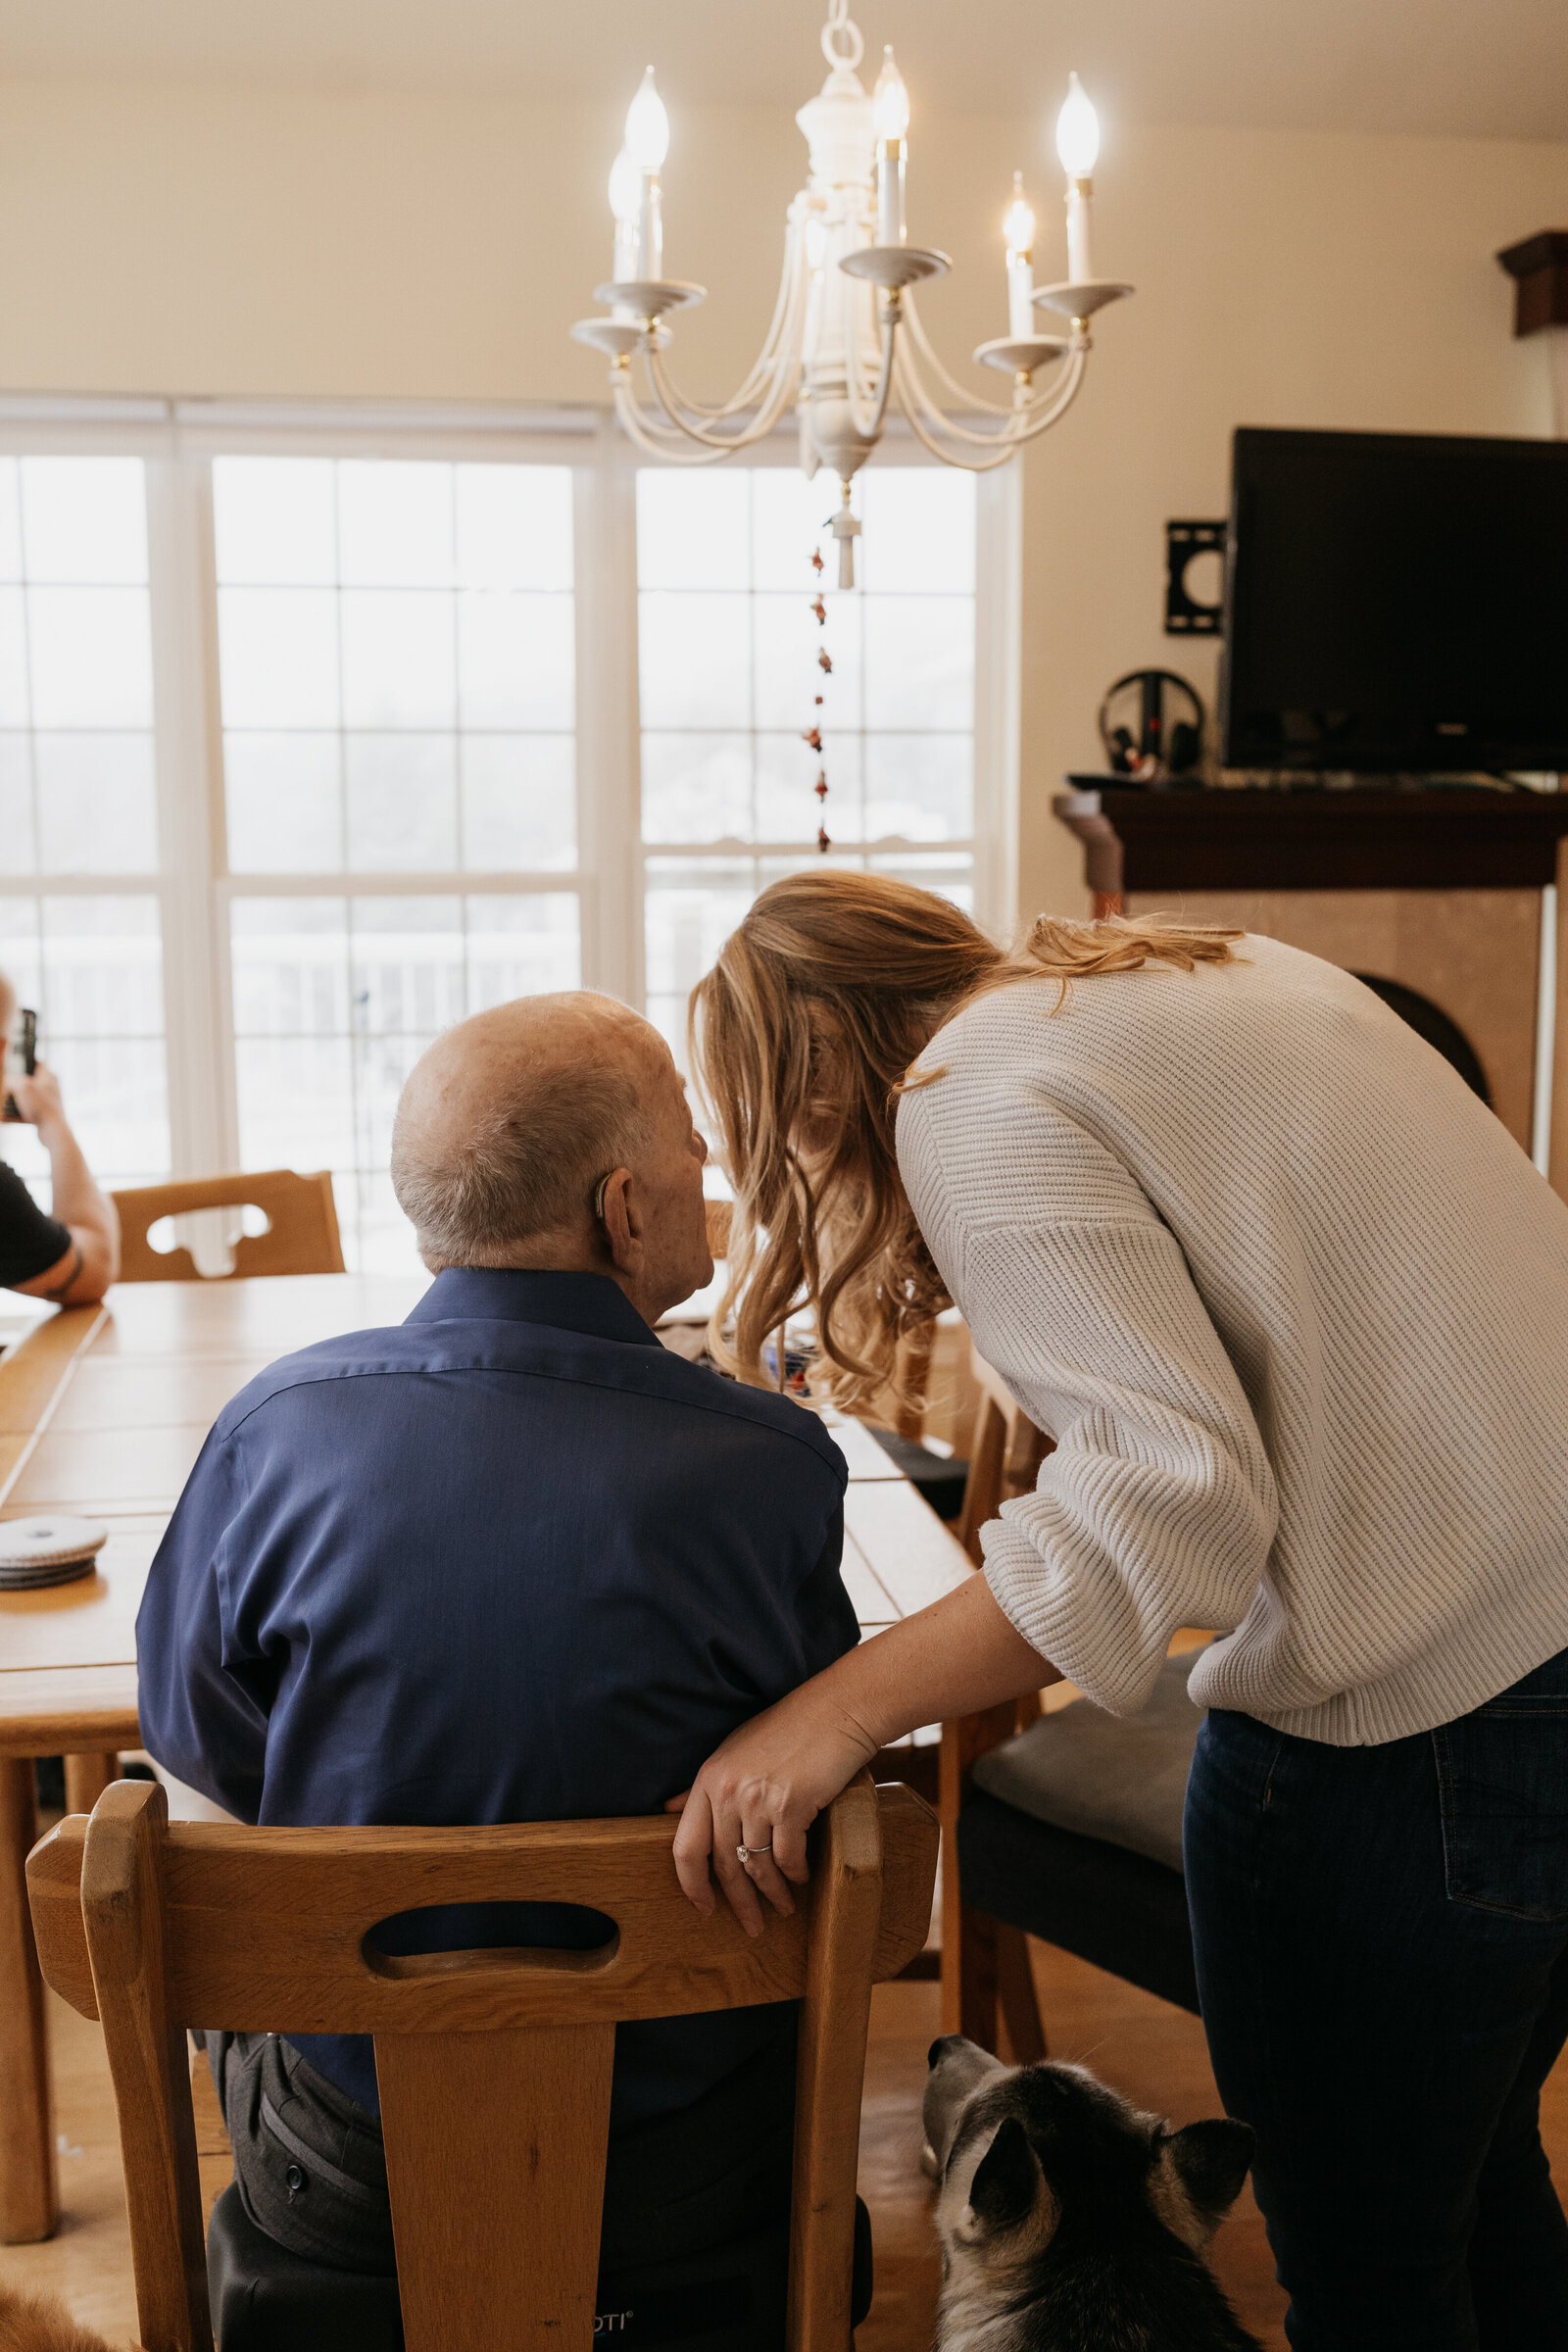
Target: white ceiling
x=1488, y=67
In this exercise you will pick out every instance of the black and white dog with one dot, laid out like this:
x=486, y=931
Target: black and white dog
x=1069, y=2222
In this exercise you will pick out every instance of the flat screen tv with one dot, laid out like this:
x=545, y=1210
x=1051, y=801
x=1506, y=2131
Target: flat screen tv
x=1395, y=603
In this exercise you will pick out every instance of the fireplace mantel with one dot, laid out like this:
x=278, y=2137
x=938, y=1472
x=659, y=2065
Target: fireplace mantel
x=1260, y=840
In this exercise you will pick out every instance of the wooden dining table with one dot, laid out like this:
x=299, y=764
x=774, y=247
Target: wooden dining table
x=103, y=1411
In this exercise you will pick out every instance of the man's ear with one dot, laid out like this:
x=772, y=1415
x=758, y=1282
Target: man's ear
x=1007, y=2181
x=615, y=1221
x=1211, y=2160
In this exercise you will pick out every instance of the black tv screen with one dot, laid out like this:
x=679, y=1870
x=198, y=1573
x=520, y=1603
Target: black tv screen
x=1397, y=603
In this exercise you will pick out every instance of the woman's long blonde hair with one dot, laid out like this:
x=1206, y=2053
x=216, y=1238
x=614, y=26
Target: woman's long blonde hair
x=801, y=1038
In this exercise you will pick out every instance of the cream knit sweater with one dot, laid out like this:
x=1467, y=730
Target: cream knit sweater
x=1295, y=1308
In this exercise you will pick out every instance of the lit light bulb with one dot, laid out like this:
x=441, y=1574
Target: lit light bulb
x=890, y=115
x=626, y=188
x=890, y=101
x=647, y=126
x=1020, y=226
x=1077, y=132
x=1019, y=231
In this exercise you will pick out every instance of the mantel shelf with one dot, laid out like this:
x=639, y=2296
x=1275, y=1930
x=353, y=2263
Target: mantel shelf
x=1139, y=841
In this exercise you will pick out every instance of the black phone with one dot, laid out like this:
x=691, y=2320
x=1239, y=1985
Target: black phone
x=26, y=1051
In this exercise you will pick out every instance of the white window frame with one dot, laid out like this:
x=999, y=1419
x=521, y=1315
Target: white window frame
x=178, y=441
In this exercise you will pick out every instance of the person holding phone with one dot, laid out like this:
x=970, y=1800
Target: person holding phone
x=72, y=1255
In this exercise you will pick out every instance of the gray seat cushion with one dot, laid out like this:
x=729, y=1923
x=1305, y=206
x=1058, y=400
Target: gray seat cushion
x=1119, y=1778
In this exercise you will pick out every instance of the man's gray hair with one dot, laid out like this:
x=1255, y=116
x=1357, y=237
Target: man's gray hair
x=528, y=1168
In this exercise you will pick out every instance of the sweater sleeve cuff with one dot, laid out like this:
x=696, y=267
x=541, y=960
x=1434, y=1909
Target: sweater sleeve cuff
x=1115, y=1671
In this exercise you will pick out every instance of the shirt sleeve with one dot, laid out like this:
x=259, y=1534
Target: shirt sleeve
x=1158, y=1508
x=827, y=1620
x=204, y=1708
x=30, y=1243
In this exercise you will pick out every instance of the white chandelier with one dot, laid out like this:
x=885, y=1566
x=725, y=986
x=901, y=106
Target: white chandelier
x=846, y=338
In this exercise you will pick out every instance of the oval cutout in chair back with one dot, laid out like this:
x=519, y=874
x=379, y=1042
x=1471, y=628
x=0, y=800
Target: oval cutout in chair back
x=210, y=1234
x=453, y=1938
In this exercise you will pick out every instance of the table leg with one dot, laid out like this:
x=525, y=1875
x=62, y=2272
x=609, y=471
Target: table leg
x=30, y=2203
x=86, y=1779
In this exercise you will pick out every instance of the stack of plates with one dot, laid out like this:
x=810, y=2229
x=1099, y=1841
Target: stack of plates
x=48, y=1551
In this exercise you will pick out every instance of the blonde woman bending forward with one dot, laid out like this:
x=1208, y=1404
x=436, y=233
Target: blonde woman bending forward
x=1295, y=1308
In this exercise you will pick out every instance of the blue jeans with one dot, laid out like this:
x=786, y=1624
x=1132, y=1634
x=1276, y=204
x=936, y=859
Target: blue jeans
x=1381, y=1945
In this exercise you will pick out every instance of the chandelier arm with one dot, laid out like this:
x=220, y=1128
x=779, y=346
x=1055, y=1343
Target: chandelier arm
x=869, y=424
x=1025, y=423
x=757, y=428
x=780, y=346
x=947, y=441
x=1061, y=395
x=972, y=401
x=913, y=391
x=948, y=456
x=651, y=423
x=656, y=440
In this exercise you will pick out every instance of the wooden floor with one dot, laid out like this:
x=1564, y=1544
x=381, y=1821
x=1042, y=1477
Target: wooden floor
x=1154, y=2053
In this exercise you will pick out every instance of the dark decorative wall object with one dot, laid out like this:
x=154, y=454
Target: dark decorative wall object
x=1185, y=616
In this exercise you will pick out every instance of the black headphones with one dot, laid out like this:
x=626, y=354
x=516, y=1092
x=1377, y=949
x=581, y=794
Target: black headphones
x=1143, y=744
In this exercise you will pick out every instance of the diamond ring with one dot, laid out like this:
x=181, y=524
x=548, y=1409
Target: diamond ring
x=744, y=1853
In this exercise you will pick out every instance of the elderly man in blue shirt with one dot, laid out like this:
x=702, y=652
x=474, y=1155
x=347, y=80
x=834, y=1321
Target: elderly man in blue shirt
x=511, y=1561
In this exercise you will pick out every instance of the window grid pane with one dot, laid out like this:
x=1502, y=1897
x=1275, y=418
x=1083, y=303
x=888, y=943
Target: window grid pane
x=335, y=998
x=730, y=677
x=78, y=797
x=397, y=654
x=92, y=968
x=76, y=780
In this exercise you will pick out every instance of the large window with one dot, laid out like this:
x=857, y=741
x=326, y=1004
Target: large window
x=397, y=678
x=315, y=736
x=80, y=919
x=734, y=625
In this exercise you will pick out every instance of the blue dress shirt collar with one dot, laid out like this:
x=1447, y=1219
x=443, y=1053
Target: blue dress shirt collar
x=589, y=1303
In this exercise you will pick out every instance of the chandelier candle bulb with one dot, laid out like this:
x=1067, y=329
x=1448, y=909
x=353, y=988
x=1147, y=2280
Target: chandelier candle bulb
x=647, y=144
x=1019, y=229
x=890, y=193
x=626, y=202
x=1080, y=268
x=890, y=111
x=1078, y=146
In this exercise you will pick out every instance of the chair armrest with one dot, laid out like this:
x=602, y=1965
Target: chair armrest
x=910, y=1836
x=54, y=1892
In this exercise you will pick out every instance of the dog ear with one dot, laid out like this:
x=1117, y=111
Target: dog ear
x=958, y=2069
x=1211, y=2160
x=954, y=2045
x=1007, y=2181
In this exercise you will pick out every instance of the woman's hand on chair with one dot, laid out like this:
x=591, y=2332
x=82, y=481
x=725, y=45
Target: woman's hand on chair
x=762, y=1789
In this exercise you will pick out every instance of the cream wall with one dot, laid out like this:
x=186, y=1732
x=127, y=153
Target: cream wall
x=350, y=242
x=1288, y=280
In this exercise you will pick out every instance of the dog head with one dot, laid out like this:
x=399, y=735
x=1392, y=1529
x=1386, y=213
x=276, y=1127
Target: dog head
x=1023, y=2153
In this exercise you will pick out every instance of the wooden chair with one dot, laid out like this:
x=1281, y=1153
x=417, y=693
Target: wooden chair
x=1004, y=1454
x=985, y=1961
x=302, y=1235
x=720, y=1217
x=1054, y=1870
x=152, y=1927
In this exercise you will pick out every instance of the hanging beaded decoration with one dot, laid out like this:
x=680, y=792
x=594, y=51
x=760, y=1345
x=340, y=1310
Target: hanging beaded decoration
x=812, y=736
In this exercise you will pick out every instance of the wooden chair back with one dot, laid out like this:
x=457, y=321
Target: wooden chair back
x=1004, y=1454
x=720, y=1217
x=153, y=1927
x=985, y=1963
x=302, y=1235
